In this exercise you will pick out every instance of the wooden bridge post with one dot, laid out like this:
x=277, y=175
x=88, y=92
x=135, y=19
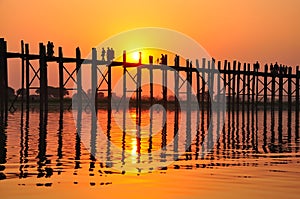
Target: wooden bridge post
x=138, y=92
x=289, y=101
x=208, y=91
x=79, y=79
x=219, y=87
x=94, y=79
x=248, y=88
x=124, y=79
x=297, y=101
x=188, y=105
x=233, y=90
x=151, y=79
x=61, y=79
x=225, y=81
x=203, y=86
x=273, y=90
x=244, y=91
x=109, y=90
x=22, y=73
x=43, y=84
x=253, y=92
x=198, y=83
x=176, y=90
x=165, y=83
x=229, y=94
x=280, y=104
x=2, y=60
x=188, y=88
x=3, y=76
x=238, y=90
x=265, y=92
x=212, y=78
x=27, y=75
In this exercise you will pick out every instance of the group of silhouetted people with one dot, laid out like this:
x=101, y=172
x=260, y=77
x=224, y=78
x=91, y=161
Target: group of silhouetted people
x=50, y=49
x=110, y=54
x=278, y=69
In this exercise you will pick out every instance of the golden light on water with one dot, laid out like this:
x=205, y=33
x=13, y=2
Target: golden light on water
x=133, y=150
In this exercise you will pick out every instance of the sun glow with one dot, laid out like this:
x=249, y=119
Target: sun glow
x=136, y=56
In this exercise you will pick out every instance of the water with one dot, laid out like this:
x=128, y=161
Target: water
x=57, y=156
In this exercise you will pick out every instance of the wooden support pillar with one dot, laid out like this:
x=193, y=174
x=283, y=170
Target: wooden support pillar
x=238, y=89
x=94, y=80
x=297, y=87
x=212, y=81
x=203, y=86
x=165, y=83
x=229, y=95
x=124, y=79
x=280, y=105
x=151, y=79
x=176, y=89
x=164, y=91
x=225, y=81
x=61, y=79
x=139, y=92
x=109, y=90
x=208, y=92
x=265, y=92
x=27, y=75
x=3, y=76
x=289, y=102
x=79, y=79
x=22, y=73
x=253, y=93
x=233, y=90
x=188, y=87
x=198, y=83
x=244, y=88
x=248, y=90
x=42, y=63
x=2, y=60
x=220, y=98
x=188, y=106
x=273, y=91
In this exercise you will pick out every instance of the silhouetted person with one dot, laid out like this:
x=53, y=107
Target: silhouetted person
x=256, y=65
x=50, y=49
x=176, y=60
x=271, y=67
x=103, y=54
x=276, y=68
x=112, y=54
x=108, y=54
x=162, y=59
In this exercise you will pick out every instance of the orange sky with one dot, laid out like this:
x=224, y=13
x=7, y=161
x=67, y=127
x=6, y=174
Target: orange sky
x=266, y=31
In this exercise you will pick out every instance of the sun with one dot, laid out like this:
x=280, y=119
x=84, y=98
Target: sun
x=136, y=56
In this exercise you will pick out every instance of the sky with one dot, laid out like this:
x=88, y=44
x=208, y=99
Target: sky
x=248, y=31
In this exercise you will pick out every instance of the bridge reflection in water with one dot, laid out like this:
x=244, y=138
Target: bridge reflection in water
x=56, y=143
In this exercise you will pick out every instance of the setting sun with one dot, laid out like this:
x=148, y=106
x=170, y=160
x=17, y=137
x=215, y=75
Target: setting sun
x=136, y=56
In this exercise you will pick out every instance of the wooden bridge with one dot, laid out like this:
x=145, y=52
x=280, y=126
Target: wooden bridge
x=243, y=84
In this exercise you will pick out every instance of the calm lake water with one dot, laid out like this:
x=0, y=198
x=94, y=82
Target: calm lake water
x=73, y=155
